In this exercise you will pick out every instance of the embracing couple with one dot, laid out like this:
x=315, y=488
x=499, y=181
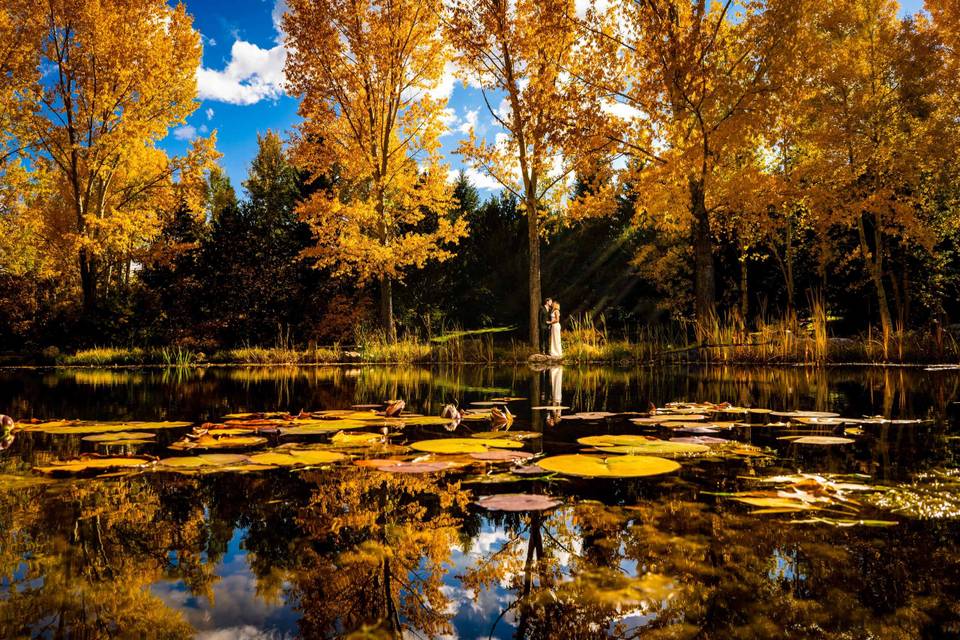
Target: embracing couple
x=550, y=328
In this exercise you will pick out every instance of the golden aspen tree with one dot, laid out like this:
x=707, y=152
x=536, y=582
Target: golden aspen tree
x=524, y=50
x=871, y=131
x=368, y=73
x=119, y=74
x=697, y=77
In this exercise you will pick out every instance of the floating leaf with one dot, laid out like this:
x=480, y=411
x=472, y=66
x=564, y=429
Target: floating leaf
x=823, y=440
x=77, y=427
x=501, y=455
x=661, y=448
x=426, y=421
x=356, y=439
x=203, y=460
x=509, y=435
x=616, y=440
x=296, y=457
x=322, y=427
x=464, y=445
x=119, y=436
x=517, y=502
x=209, y=441
x=804, y=414
x=95, y=463
x=700, y=440
x=549, y=407
x=627, y=466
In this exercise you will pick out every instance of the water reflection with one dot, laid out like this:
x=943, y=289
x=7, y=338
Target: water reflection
x=327, y=553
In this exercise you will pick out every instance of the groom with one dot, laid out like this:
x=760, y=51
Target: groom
x=545, y=309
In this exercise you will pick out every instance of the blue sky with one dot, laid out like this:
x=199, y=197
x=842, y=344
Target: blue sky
x=240, y=85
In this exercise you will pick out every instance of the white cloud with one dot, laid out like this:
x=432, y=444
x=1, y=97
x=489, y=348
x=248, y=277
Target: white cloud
x=186, y=132
x=253, y=74
x=203, y=128
x=209, y=113
x=621, y=110
x=448, y=80
x=478, y=179
x=469, y=122
x=279, y=8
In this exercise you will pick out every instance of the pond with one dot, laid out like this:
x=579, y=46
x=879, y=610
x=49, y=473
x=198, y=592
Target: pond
x=758, y=525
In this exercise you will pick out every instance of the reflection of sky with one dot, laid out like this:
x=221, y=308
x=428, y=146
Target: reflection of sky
x=236, y=612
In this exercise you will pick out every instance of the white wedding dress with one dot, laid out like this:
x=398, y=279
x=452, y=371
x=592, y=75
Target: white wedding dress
x=556, y=348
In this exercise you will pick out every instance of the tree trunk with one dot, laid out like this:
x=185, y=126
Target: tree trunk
x=744, y=290
x=88, y=281
x=386, y=309
x=704, y=288
x=533, y=237
x=874, y=260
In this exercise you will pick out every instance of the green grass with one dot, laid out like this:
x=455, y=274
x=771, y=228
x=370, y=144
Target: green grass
x=719, y=340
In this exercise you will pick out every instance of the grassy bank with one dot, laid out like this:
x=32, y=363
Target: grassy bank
x=716, y=341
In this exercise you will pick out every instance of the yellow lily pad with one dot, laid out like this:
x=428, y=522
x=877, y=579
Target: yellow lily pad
x=94, y=463
x=356, y=439
x=296, y=457
x=204, y=460
x=209, y=441
x=628, y=466
x=509, y=435
x=79, y=427
x=823, y=440
x=464, y=445
x=426, y=421
x=119, y=436
x=616, y=440
x=320, y=427
x=661, y=448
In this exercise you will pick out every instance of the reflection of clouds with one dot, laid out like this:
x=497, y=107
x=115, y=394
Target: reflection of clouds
x=240, y=633
x=235, y=611
x=235, y=604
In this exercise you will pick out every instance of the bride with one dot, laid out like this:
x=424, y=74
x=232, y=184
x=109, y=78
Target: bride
x=555, y=349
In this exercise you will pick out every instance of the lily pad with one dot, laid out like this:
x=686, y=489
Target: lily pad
x=209, y=441
x=321, y=427
x=625, y=440
x=95, y=463
x=78, y=427
x=356, y=439
x=426, y=421
x=549, y=407
x=823, y=440
x=517, y=502
x=509, y=435
x=204, y=460
x=501, y=455
x=464, y=445
x=661, y=448
x=628, y=466
x=416, y=467
x=700, y=440
x=119, y=436
x=296, y=457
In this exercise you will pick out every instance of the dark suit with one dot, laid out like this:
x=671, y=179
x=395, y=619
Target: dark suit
x=544, y=328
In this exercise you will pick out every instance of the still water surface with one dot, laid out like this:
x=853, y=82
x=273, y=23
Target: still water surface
x=327, y=552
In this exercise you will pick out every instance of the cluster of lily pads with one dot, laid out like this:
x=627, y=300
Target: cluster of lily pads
x=372, y=437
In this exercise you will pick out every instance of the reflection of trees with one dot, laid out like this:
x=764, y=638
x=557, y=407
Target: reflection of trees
x=377, y=546
x=81, y=562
